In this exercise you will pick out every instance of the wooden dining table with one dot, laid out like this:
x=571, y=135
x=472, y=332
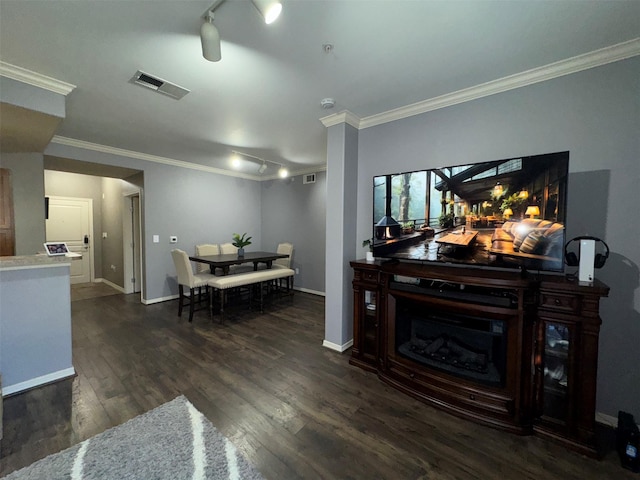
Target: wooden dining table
x=224, y=261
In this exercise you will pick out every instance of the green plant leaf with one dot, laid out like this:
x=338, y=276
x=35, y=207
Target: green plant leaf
x=240, y=241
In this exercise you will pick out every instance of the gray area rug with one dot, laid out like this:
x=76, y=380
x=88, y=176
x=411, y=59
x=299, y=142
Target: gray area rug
x=173, y=441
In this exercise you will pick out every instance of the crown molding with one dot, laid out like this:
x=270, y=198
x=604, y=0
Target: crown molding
x=561, y=68
x=95, y=147
x=36, y=79
x=344, y=116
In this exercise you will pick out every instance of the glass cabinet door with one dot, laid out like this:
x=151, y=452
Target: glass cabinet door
x=557, y=345
x=370, y=336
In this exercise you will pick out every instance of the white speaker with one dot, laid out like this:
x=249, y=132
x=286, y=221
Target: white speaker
x=587, y=256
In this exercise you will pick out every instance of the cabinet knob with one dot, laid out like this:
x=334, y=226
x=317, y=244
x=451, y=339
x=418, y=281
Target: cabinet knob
x=472, y=396
x=557, y=301
x=412, y=375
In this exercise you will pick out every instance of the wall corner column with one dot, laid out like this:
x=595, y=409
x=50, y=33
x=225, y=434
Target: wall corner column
x=342, y=172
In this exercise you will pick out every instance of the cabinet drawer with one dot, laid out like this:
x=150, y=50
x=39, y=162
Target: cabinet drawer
x=365, y=276
x=559, y=302
x=451, y=392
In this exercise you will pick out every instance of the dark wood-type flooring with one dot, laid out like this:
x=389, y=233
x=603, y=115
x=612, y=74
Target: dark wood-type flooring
x=296, y=409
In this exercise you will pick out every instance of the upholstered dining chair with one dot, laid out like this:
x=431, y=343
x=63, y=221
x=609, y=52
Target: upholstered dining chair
x=202, y=251
x=284, y=262
x=229, y=248
x=287, y=248
x=226, y=248
x=188, y=280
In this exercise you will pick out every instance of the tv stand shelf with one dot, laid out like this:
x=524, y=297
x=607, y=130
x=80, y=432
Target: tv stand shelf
x=533, y=339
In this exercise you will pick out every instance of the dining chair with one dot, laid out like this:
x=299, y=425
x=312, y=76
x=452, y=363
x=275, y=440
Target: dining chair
x=287, y=248
x=192, y=282
x=283, y=248
x=204, y=250
x=227, y=248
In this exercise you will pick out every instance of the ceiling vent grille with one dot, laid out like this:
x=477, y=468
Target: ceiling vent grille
x=309, y=178
x=159, y=85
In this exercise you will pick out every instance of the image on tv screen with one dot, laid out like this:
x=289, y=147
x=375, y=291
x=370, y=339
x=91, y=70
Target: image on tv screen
x=503, y=213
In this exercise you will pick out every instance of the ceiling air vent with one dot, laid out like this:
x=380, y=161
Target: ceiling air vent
x=309, y=178
x=157, y=84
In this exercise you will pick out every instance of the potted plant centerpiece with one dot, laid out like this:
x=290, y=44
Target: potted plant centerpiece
x=368, y=244
x=240, y=242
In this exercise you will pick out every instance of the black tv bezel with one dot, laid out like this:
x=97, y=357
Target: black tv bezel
x=511, y=265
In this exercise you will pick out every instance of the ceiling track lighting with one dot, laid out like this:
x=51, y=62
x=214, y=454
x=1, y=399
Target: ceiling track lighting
x=282, y=171
x=270, y=9
x=210, y=37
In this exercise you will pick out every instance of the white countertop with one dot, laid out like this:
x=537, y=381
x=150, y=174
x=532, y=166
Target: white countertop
x=33, y=261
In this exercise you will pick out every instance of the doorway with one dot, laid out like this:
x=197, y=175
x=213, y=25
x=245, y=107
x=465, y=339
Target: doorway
x=71, y=220
x=132, y=243
x=7, y=227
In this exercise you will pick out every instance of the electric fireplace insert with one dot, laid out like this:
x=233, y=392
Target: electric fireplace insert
x=466, y=346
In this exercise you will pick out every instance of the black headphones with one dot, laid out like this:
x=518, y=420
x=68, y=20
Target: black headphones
x=573, y=260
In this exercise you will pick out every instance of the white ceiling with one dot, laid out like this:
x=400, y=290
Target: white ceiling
x=264, y=97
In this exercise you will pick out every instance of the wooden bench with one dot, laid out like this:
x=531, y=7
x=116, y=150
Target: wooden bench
x=259, y=277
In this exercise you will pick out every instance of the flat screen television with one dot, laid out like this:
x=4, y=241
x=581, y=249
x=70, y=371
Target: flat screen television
x=503, y=213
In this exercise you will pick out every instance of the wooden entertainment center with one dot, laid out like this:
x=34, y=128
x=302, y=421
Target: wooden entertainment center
x=512, y=350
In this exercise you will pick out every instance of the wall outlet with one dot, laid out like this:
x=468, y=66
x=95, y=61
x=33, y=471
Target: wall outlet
x=173, y=239
x=297, y=271
x=104, y=234
x=156, y=239
x=113, y=267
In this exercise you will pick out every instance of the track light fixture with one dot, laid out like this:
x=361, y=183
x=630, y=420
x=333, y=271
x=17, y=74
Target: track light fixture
x=210, y=37
x=282, y=171
x=270, y=9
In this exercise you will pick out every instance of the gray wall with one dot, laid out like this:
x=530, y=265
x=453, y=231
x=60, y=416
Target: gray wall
x=34, y=98
x=342, y=173
x=112, y=247
x=293, y=212
x=35, y=326
x=196, y=206
x=28, y=200
x=75, y=185
x=27, y=168
x=595, y=115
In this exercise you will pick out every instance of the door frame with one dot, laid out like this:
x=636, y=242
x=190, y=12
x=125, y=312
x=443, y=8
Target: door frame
x=127, y=238
x=92, y=269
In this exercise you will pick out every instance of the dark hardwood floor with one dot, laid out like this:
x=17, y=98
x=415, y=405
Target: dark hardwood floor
x=296, y=409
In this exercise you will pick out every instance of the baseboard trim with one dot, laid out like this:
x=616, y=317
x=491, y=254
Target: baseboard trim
x=151, y=301
x=38, y=381
x=608, y=420
x=110, y=283
x=336, y=347
x=308, y=290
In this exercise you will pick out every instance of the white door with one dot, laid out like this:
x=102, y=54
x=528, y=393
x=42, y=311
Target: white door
x=71, y=221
